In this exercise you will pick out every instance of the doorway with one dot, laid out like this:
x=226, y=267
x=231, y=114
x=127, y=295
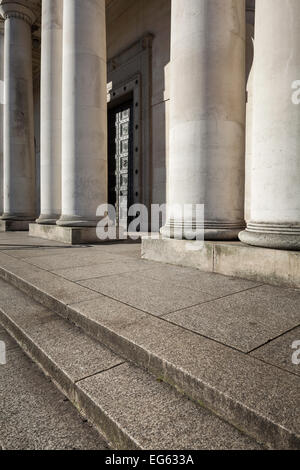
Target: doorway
x=120, y=160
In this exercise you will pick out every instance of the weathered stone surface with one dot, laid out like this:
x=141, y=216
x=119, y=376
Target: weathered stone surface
x=279, y=351
x=178, y=252
x=45, y=287
x=104, y=269
x=7, y=339
x=68, y=235
x=52, y=261
x=260, y=265
x=14, y=225
x=72, y=359
x=278, y=267
x=244, y=320
x=35, y=415
x=257, y=397
x=190, y=278
x=59, y=346
x=153, y=416
x=144, y=293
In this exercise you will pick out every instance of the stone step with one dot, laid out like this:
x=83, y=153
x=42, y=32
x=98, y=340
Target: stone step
x=131, y=408
x=34, y=414
x=260, y=399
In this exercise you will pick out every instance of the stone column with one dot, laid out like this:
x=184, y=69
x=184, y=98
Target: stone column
x=84, y=112
x=19, y=157
x=250, y=18
x=275, y=169
x=1, y=110
x=51, y=110
x=207, y=116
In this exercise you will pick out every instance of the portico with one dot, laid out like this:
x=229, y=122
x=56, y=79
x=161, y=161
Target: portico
x=193, y=139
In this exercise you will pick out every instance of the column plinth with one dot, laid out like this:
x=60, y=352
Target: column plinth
x=207, y=118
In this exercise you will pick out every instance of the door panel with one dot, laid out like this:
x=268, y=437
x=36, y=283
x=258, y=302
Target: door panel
x=120, y=151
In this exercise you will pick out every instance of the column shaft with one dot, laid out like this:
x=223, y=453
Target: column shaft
x=19, y=156
x=207, y=115
x=84, y=112
x=1, y=111
x=51, y=111
x=275, y=168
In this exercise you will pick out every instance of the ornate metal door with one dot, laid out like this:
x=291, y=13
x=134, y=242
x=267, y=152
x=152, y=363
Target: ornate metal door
x=120, y=161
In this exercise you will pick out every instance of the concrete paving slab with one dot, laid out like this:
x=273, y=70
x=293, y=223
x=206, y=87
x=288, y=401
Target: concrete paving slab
x=127, y=265
x=245, y=320
x=279, y=352
x=34, y=415
x=191, y=278
x=159, y=418
x=150, y=295
x=62, y=261
x=37, y=251
x=69, y=352
x=43, y=286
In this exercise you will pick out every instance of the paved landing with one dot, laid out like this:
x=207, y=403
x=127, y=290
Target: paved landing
x=244, y=315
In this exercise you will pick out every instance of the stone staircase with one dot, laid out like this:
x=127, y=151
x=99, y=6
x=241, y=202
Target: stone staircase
x=144, y=382
x=130, y=407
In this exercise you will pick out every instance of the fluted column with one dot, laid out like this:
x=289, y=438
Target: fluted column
x=19, y=157
x=275, y=168
x=51, y=111
x=207, y=116
x=84, y=112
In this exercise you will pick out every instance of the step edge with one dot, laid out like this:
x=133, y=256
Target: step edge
x=71, y=389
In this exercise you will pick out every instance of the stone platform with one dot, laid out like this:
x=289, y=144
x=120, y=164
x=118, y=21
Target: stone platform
x=14, y=225
x=118, y=334
x=276, y=267
x=72, y=235
x=68, y=235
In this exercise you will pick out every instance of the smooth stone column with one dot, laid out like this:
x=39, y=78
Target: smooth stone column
x=250, y=19
x=51, y=111
x=19, y=156
x=1, y=110
x=207, y=117
x=275, y=169
x=84, y=112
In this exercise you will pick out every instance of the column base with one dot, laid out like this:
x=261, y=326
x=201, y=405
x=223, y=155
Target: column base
x=68, y=235
x=213, y=232
x=279, y=241
x=47, y=219
x=72, y=221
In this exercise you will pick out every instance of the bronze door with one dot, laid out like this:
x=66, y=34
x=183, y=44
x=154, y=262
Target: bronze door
x=120, y=148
